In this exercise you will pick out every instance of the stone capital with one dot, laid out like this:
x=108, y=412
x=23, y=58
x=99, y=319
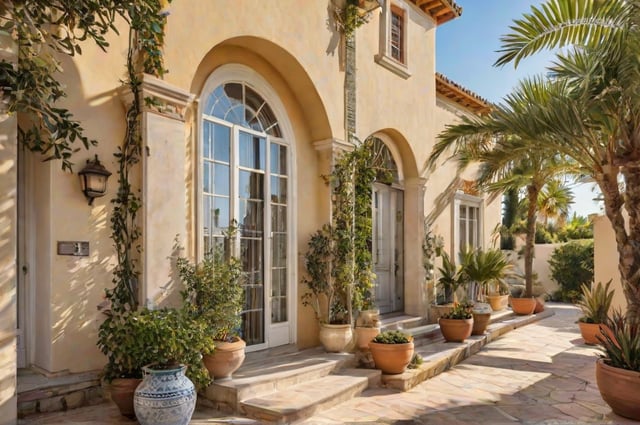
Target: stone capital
x=160, y=97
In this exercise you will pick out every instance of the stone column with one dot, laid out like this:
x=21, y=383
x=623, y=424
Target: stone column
x=415, y=293
x=8, y=255
x=167, y=175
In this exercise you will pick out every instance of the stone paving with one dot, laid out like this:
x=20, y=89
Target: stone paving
x=538, y=374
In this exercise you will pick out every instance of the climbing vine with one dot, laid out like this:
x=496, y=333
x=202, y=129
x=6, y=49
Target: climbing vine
x=350, y=17
x=146, y=36
x=352, y=179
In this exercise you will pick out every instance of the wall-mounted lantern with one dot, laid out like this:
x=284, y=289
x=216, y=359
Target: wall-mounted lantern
x=93, y=179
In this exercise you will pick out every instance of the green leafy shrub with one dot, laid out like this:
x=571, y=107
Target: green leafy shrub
x=393, y=337
x=214, y=292
x=595, y=302
x=621, y=347
x=166, y=337
x=460, y=311
x=571, y=266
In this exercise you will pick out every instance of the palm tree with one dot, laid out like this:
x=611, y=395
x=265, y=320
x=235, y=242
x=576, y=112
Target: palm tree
x=597, y=121
x=501, y=142
x=554, y=201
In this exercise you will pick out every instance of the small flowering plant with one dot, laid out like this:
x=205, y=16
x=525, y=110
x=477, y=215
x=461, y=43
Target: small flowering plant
x=392, y=337
x=461, y=310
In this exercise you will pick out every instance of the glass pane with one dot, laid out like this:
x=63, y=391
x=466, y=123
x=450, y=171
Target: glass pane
x=206, y=221
x=206, y=139
x=235, y=115
x=253, y=327
x=250, y=185
x=279, y=190
x=278, y=310
x=206, y=177
x=220, y=213
x=472, y=213
x=275, y=158
x=252, y=151
x=463, y=234
x=251, y=218
x=283, y=160
x=221, y=179
x=463, y=211
x=279, y=248
x=279, y=218
x=251, y=256
x=222, y=141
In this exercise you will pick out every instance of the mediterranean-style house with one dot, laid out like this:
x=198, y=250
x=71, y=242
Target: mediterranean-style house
x=248, y=118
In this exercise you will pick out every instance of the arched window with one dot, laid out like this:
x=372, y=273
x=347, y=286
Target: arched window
x=245, y=173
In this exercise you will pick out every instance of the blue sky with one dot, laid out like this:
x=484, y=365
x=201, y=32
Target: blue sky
x=466, y=49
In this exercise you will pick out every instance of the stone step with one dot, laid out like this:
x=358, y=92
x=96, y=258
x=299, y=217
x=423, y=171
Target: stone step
x=438, y=355
x=38, y=393
x=400, y=321
x=305, y=399
x=264, y=376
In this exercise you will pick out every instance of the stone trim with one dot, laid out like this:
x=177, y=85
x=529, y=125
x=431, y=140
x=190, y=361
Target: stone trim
x=160, y=97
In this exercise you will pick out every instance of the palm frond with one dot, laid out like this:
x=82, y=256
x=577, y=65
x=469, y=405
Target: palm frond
x=557, y=23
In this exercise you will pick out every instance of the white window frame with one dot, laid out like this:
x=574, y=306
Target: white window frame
x=243, y=74
x=384, y=58
x=463, y=199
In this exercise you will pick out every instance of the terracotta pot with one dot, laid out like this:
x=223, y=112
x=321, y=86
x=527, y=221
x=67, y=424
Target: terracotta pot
x=226, y=359
x=335, y=338
x=523, y=306
x=498, y=302
x=364, y=335
x=590, y=331
x=539, y=308
x=620, y=388
x=122, y=390
x=480, y=323
x=455, y=330
x=391, y=358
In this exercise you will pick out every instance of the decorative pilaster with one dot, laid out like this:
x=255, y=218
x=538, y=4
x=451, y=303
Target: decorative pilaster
x=166, y=174
x=416, y=299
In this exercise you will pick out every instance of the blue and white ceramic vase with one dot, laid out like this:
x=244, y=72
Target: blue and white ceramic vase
x=165, y=397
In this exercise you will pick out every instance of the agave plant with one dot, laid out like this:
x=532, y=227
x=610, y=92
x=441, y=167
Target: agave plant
x=483, y=267
x=595, y=302
x=450, y=277
x=621, y=347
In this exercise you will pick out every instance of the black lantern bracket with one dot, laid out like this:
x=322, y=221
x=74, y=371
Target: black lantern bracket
x=93, y=179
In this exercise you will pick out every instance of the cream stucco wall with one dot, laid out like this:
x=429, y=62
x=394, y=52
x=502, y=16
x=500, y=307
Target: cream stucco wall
x=298, y=55
x=8, y=253
x=605, y=259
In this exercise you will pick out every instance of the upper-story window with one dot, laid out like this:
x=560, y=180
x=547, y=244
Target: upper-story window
x=393, y=48
x=397, y=34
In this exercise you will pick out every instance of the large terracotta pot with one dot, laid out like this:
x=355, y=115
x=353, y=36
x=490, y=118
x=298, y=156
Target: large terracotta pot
x=590, y=331
x=498, y=302
x=122, y=390
x=335, y=338
x=539, y=308
x=523, y=306
x=364, y=335
x=480, y=323
x=226, y=359
x=165, y=397
x=620, y=388
x=391, y=358
x=455, y=330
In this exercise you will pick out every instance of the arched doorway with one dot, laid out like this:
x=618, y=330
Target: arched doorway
x=388, y=232
x=245, y=163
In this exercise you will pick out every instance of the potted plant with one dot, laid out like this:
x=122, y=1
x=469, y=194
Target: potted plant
x=498, y=297
x=328, y=293
x=449, y=281
x=367, y=327
x=156, y=339
x=214, y=294
x=392, y=351
x=595, y=304
x=457, y=325
x=480, y=268
x=173, y=342
x=618, y=368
